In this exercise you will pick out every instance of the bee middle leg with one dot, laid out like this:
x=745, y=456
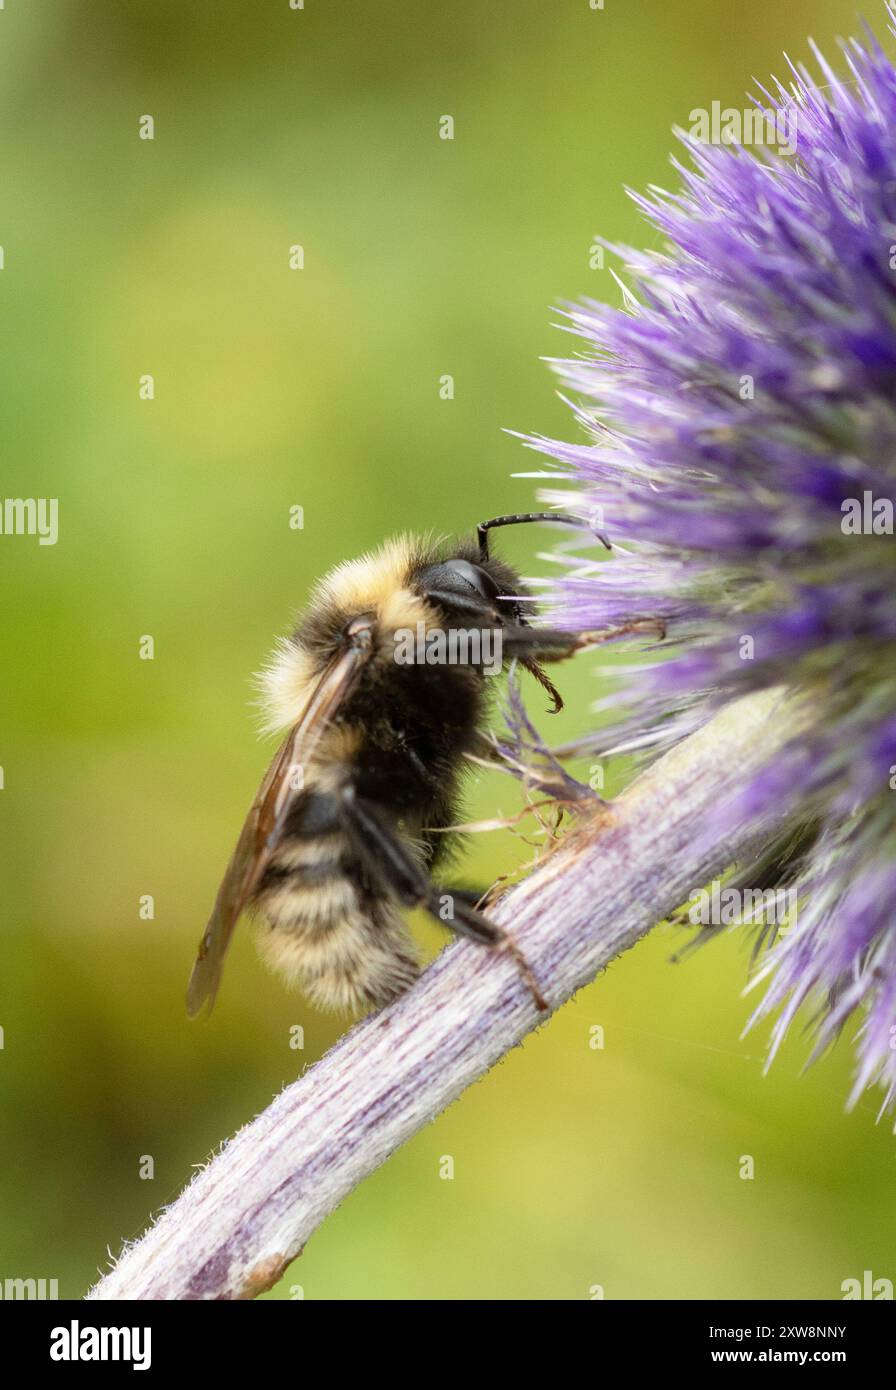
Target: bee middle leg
x=388, y=859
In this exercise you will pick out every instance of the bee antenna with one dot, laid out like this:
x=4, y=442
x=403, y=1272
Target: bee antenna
x=517, y=518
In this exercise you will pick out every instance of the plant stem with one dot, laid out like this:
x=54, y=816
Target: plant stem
x=248, y=1214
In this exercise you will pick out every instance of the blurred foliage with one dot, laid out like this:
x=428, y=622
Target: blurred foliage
x=574, y=1167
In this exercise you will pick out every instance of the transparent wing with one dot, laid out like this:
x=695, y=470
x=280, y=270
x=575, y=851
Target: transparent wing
x=264, y=823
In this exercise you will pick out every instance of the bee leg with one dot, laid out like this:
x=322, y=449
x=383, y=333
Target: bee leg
x=556, y=644
x=389, y=860
x=472, y=896
x=533, y=645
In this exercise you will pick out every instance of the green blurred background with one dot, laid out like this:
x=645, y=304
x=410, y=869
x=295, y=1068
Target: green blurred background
x=574, y=1167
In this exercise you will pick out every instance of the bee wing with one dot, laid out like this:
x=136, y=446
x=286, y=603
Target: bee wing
x=264, y=823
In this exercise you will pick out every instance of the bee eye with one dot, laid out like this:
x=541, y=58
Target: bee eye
x=459, y=577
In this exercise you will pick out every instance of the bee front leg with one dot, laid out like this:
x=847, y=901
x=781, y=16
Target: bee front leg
x=556, y=644
x=533, y=645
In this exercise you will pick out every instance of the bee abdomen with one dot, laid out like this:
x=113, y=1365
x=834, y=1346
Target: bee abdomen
x=343, y=947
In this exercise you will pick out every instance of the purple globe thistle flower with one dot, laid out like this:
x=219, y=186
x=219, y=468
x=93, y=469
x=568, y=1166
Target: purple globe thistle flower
x=741, y=409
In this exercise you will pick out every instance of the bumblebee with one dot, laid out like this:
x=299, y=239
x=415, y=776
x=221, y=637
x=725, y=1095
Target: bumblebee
x=345, y=830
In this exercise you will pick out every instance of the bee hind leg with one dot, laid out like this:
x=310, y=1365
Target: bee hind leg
x=388, y=859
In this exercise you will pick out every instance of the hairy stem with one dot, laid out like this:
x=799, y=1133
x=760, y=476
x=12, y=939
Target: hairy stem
x=243, y=1218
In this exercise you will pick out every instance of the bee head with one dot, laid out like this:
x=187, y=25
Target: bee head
x=473, y=582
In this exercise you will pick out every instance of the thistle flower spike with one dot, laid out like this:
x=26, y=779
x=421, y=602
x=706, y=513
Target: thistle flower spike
x=741, y=413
